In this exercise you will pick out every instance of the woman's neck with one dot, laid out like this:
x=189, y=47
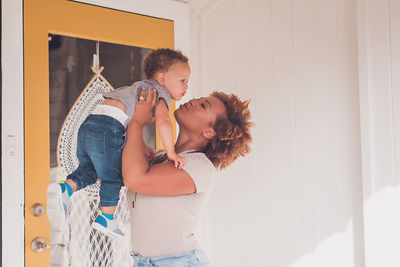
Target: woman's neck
x=184, y=143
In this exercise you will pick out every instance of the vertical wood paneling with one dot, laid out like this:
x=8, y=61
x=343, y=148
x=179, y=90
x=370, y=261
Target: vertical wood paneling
x=227, y=56
x=209, y=39
x=264, y=134
x=285, y=154
x=12, y=128
x=353, y=250
x=246, y=179
x=305, y=115
x=365, y=99
x=328, y=124
x=350, y=131
x=223, y=199
x=379, y=24
x=380, y=85
x=296, y=200
x=394, y=22
x=349, y=107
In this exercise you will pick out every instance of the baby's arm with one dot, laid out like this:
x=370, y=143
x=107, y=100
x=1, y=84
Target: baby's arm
x=165, y=128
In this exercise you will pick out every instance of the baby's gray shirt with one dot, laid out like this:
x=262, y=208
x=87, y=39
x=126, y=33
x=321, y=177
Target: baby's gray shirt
x=127, y=95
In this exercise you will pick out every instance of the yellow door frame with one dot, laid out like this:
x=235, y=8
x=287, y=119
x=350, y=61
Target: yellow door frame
x=63, y=17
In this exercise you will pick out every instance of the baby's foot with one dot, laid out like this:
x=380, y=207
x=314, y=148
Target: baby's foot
x=106, y=224
x=58, y=197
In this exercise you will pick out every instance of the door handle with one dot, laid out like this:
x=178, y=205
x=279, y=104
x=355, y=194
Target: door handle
x=38, y=245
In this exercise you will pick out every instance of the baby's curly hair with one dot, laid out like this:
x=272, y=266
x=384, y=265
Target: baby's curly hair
x=160, y=60
x=232, y=137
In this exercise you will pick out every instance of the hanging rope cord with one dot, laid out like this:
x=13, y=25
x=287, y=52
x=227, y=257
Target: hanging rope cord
x=96, y=57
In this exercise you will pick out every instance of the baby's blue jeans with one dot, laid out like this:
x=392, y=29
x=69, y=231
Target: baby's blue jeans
x=101, y=139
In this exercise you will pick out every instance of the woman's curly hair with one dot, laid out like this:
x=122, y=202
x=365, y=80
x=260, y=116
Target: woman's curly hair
x=232, y=137
x=160, y=60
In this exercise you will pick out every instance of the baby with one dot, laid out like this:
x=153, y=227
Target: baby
x=101, y=138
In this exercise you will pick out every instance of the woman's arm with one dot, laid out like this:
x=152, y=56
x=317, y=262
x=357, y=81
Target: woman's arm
x=162, y=179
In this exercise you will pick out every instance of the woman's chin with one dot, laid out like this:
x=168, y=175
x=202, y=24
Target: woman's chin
x=176, y=114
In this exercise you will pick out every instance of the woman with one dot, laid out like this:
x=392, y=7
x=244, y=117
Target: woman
x=167, y=201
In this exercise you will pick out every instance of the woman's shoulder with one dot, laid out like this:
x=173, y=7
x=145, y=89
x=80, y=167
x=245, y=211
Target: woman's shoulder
x=196, y=156
x=197, y=162
x=197, y=166
x=200, y=169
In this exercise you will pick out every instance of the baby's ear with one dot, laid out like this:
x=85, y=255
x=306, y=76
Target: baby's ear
x=160, y=77
x=208, y=133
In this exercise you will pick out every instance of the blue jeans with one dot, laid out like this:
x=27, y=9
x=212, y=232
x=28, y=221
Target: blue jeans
x=101, y=139
x=193, y=258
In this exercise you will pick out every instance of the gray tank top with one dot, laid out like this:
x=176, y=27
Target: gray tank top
x=127, y=95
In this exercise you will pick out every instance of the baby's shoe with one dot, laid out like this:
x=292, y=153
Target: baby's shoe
x=58, y=197
x=106, y=224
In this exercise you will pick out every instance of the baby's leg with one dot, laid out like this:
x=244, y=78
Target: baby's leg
x=109, y=196
x=108, y=210
x=58, y=194
x=72, y=184
x=90, y=146
x=83, y=176
x=109, y=171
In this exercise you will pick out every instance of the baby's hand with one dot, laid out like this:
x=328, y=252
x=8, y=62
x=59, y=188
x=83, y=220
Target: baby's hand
x=149, y=152
x=178, y=161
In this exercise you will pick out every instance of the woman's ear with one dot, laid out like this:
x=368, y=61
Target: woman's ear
x=160, y=77
x=208, y=133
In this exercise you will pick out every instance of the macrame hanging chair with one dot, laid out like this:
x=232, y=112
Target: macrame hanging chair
x=86, y=246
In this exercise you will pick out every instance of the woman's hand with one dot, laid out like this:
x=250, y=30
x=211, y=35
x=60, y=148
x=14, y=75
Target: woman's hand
x=144, y=107
x=138, y=176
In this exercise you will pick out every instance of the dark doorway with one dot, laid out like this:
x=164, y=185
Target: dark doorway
x=70, y=61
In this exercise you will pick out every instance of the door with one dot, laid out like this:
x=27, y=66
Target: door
x=44, y=18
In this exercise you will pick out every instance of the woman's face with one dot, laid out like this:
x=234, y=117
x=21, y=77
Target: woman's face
x=198, y=114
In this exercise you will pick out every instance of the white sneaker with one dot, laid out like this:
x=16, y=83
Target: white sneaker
x=57, y=204
x=106, y=226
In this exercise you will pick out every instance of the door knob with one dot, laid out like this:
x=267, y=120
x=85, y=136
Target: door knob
x=38, y=245
x=37, y=209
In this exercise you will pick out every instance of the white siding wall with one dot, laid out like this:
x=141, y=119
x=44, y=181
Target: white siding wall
x=296, y=200
x=379, y=53
x=12, y=134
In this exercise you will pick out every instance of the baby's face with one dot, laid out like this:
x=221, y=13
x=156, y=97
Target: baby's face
x=176, y=79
